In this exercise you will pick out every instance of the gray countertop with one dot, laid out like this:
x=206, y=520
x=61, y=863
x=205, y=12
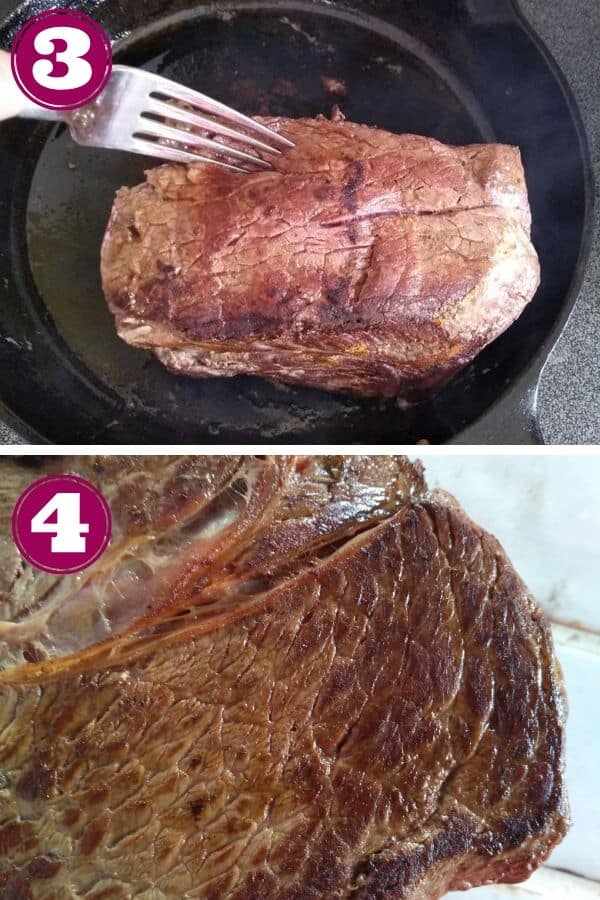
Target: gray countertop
x=569, y=390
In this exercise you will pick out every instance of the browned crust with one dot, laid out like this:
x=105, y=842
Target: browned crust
x=390, y=725
x=369, y=262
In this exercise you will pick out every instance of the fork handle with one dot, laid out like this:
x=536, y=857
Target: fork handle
x=13, y=101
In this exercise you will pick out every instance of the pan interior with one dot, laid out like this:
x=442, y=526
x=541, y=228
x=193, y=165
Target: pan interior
x=284, y=59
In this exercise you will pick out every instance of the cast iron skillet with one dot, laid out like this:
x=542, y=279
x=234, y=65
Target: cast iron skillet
x=459, y=70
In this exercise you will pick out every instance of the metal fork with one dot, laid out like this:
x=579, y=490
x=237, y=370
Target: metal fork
x=144, y=113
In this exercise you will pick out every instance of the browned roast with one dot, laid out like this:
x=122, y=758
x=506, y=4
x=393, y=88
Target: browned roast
x=347, y=693
x=368, y=262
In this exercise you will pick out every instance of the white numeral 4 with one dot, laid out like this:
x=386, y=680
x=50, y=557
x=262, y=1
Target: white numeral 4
x=68, y=528
x=79, y=72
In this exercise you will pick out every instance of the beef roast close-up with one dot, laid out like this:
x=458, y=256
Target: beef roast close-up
x=368, y=262
x=287, y=678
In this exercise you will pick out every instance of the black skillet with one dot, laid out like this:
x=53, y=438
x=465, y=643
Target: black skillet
x=459, y=70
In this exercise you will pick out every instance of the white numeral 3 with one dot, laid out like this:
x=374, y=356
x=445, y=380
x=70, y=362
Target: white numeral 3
x=79, y=70
x=68, y=529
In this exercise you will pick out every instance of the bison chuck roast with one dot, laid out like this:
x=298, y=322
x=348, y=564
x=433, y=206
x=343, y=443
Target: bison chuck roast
x=287, y=679
x=371, y=263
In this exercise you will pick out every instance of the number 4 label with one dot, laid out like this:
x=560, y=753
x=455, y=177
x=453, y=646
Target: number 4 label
x=68, y=529
x=61, y=524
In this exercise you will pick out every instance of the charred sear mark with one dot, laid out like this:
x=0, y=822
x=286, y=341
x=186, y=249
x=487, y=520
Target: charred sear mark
x=196, y=807
x=33, y=654
x=15, y=885
x=134, y=232
x=120, y=300
x=356, y=172
x=71, y=816
x=37, y=782
x=43, y=867
x=165, y=268
x=322, y=192
x=91, y=837
x=253, y=323
x=337, y=290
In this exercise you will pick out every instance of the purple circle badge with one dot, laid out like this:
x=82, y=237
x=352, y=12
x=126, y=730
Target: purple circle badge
x=61, y=59
x=61, y=524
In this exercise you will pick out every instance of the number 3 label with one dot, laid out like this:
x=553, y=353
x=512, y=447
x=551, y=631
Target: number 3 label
x=79, y=71
x=61, y=59
x=61, y=524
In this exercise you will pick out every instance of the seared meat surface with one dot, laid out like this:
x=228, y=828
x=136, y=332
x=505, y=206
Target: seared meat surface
x=288, y=678
x=371, y=263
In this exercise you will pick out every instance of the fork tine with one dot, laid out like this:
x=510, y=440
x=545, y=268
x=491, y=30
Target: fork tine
x=170, y=111
x=188, y=138
x=176, y=91
x=152, y=148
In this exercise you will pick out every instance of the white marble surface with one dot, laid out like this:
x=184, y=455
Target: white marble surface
x=546, y=883
x=546, y=512
x=580, y=850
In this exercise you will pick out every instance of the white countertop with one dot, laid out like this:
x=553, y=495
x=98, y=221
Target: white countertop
x=546, y=512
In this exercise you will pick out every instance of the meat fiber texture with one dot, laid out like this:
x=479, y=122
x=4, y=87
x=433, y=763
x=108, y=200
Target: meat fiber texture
x=287, y=679
x=368, y=262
